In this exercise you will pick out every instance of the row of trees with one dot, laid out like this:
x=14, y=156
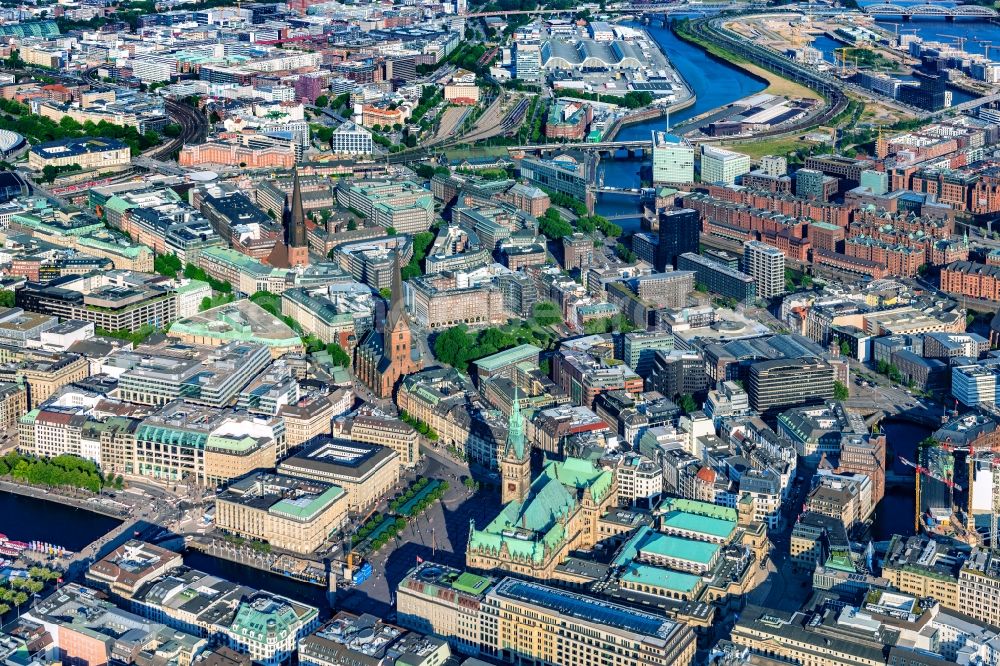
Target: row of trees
x=630, y=100
x=618, y=322
x=590, y=223
x=421, y=243
x=840, y=391
x=425, y=502
x=418, y=425
x=18, y=591
x=427, y=171
x=339, y=102
x=565, y=201
x=136, y=337
x=628, y=256
x=795, y=279
x=50, y=171
x=390, y=532
x=429, y=97
x=193, y=272
x=395, y=127
x=367, y=528
x=553, y=226
x=409, y=494
x=458, y=347
x=167, y=264
x=17, y=117
x=889, y=370
x=65, y=470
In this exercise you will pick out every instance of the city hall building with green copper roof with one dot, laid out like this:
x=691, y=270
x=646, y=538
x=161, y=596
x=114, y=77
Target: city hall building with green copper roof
x=559, y=513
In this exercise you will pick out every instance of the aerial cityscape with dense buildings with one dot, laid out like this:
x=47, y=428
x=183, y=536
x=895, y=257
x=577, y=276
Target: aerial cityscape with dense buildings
x=485, y=332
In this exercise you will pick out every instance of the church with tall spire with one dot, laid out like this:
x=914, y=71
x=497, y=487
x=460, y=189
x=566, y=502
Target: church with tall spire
x=385, y=356
x=293, y=249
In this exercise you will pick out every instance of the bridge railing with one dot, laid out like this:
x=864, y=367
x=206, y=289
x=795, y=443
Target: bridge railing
x=928, y=10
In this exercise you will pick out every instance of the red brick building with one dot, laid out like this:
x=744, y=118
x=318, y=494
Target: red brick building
x=826, y=236
x=898, y=259
x=386, y=356
x=850, y=264
x=293, y=250
x=966, y=278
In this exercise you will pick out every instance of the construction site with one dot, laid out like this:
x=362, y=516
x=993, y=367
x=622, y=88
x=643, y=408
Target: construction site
x=827, y=41
x=958, y=481
x=887, y=58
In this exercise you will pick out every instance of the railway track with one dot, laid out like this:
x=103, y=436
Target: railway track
x=194, y=129
x=830, y=89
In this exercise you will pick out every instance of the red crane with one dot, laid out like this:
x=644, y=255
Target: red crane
x=929, y=473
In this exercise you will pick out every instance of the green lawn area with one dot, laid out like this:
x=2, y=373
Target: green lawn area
x=268, y=301
x=781, y=146
x=477, y=151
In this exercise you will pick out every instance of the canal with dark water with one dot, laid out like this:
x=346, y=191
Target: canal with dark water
x=895, y=513
x=245, y=575
x=30, y=519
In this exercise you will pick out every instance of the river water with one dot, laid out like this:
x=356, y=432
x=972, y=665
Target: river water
x=30, y=519
x=895, y=513
x=715, y=83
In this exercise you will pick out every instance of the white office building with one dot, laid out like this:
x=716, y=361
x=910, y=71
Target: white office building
x=973, y=385
x=774, y=166
x=151, y=68
x=722, y=166
x=528, y=61
x=351, y=139
x=673, y=159
x=766, y=265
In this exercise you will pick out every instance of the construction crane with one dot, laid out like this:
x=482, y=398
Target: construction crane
x=931, y=474
x=986, y=46
x=994, y=471
x=841, y=55
x=959, y=39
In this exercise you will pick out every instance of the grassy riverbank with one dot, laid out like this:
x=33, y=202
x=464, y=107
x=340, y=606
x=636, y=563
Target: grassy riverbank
x=776, y=85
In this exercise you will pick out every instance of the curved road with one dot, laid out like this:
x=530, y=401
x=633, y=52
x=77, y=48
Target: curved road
x=710, y=31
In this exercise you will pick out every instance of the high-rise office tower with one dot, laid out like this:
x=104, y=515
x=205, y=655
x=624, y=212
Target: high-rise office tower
x=766, y=265
x=679, y=233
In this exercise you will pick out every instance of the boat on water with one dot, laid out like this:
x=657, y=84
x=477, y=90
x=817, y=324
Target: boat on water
x=10, y=546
